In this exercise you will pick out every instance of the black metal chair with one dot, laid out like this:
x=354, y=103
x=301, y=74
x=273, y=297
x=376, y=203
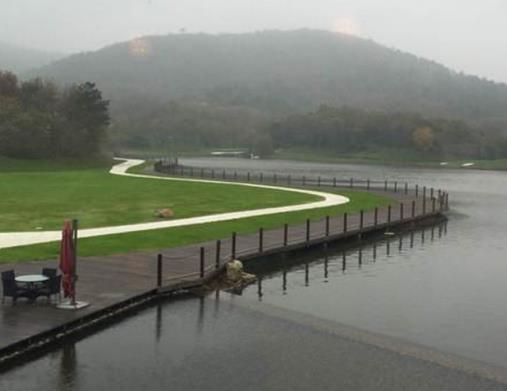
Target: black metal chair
x=8, y=274
x=49, y=272
x=51, y=287
x=11, y=288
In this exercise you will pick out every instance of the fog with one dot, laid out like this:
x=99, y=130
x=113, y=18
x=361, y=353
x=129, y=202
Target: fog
x=466, y=35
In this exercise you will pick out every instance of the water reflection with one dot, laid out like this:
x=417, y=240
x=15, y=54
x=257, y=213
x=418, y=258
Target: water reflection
x=200, y=318
x=337, y=262
x=158, y=322
x=68, y=367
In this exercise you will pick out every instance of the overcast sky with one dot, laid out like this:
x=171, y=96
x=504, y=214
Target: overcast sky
x=467, y=35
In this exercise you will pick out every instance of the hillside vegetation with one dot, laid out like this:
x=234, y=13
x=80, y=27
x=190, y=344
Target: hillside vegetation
x=232, y=90
x=282, y=72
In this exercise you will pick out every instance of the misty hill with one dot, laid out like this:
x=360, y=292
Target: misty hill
x=280, y=73
x=18, y=59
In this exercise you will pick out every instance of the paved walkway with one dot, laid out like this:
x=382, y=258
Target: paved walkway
x=13, y=239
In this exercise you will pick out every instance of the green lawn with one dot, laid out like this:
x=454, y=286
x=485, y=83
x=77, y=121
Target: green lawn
x=42, y=194
x=172, y=237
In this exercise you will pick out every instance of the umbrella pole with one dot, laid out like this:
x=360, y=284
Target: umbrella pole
x=75, y=224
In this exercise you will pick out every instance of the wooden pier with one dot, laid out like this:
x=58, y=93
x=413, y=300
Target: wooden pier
x=119, y=283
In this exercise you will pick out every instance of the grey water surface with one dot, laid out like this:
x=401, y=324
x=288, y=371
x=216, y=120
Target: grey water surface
x=444, y=288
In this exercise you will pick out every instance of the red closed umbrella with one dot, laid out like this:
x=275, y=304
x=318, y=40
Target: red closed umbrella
x=68, y=260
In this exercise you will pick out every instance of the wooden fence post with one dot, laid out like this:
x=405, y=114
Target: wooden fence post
x=385, y=185
x=285, y=234
x=327, y=226
x=159, y=270
x=361, y=219
x=395, y=186
x=389, y=214
x=233, y=245
x=367, y=184
x=416, y=191
x=345, y=222
x=217, y=254
x=401, y=211
x=201, y=263
x=413, y=208
x=307, y=230
x=334, y=182
x=351, y=183
x=261, y=240
x=375, y=217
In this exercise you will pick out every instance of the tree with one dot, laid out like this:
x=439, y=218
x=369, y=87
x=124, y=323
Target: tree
x=37, y=121
x=88, y=114
x=424, y=138
x=39, y=95
x=8, y=84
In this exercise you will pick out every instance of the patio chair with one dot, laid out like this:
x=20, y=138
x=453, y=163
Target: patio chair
x=8, y=274
x=49, y=272
x=51, y=287
x=11, y=288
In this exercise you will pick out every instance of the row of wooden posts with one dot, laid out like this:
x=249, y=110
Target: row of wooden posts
x=367, y=184
x=442, y=206
x=441, y=228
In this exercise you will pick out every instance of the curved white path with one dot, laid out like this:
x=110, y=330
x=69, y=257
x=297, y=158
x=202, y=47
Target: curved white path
x=15, y=239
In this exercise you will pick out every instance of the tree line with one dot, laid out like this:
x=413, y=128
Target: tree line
x=346, y=130
x=40, y=120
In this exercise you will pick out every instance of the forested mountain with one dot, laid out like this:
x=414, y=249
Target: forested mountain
x=281, y=73
x=18, y=59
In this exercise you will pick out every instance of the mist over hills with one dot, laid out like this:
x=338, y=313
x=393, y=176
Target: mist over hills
x=281, y=72
x=19, y=59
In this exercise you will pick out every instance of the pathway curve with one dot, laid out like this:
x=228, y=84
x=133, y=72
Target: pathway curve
x=14, y=239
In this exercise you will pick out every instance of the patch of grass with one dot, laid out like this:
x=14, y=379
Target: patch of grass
x=179, y=236
x=8, y=165
x=496, y=164
x=45, y=198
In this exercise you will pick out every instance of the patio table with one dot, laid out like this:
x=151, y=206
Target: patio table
x=31, y=281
